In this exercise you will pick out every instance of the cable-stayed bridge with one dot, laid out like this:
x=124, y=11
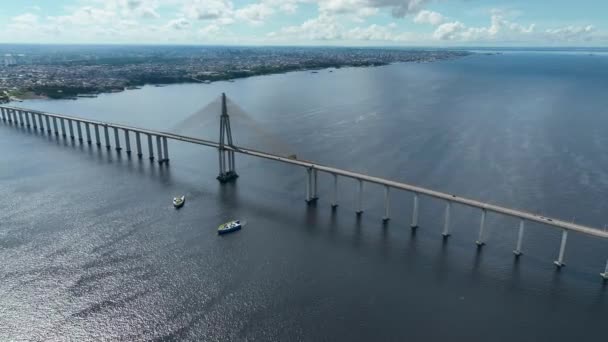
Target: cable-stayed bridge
x=91, y=132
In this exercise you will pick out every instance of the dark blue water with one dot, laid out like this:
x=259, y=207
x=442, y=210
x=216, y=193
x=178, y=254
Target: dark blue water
x=91, y=248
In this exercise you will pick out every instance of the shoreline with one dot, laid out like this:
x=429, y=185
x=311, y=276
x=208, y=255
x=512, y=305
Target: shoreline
x=70, y=93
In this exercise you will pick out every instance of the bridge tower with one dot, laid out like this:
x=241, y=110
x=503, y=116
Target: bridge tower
x=226, y=156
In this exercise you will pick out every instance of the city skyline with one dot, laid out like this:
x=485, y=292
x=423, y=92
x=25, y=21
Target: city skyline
x=307, y=22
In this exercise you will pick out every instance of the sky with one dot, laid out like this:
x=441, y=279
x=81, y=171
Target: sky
x=308, y=22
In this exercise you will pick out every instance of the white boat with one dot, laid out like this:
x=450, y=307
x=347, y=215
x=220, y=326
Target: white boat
x=178, y=202
x=229, y=227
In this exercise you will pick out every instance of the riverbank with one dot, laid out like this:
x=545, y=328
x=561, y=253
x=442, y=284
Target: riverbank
x=114, y=70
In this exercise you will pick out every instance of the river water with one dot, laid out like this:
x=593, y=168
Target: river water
x=92, y=249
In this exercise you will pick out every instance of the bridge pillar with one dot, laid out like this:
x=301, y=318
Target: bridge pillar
x=20, y=113
x=334, y=198
x=387, y=203
x=34, y=122
x=47, y=121
x=308, y=185
x=127, y=142
x=311, y=185
x=55, y=126
x=97, y=137
x=446, y=222
x=315, y=178
x=605, y=274
x=41, y=123
x=117, y=140
x=520, y=238
x=480, y=242
x=28, y=123
x=138, y=142
x=107, y=136
x=87, y=129
x=414, y=224
x=360, y=198
x=63, y=131
x=71, y=129
x=79, y=129
x=3, y=113
x=229, y=174
x=166, y=150
x=562, y=250
x=150, y=149
x=159, y=149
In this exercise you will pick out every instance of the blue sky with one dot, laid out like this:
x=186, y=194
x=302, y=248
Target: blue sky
x=308, y=22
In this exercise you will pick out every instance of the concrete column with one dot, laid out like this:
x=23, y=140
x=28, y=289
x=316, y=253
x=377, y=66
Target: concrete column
x=231, y=158
x=107, y=136
x=446, y=222
x=360, y=198
x=41, y=123
x=415, y=212
x=48, y=123
x=562, y=250
x=117, y=140
x=221, y=160
x=88, y=131
x=79, y=129
x=55, y=126
x=27, y=119
x=480, y=242
x=71, y=129
x=34, y=122
x=63, y=132
x=166, y=152
x=387, y=203
x=308, y=185
x=150, y=149
x=159, y=149
x=21, y=122
x=334, y=197
x=97, y=138
x=138, y=142
x=15, y=119
x=315, y=178
x=520, y=238
x=605, y=274
x=3, y=114
x=127, y=141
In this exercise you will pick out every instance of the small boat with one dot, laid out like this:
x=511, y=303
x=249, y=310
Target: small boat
x=178, y=202
x=229, y=227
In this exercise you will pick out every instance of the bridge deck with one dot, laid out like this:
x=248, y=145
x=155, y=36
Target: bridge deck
x=570, y=226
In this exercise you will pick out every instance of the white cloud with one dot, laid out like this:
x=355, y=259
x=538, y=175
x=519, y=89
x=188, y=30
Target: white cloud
x=571, y=33
x=178, y=24
x=324, y=27
x=502, y=30
x=398, y=8
x=429, y=17
x=85, y=16
x=25, y=19
x=208, y=9
x=336, y=22
x=255, y=13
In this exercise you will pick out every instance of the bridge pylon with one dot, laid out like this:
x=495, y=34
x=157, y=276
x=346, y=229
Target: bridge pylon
x=226, y=156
